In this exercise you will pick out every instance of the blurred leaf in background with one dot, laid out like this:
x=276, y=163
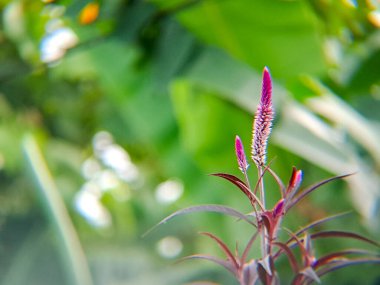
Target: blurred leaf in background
x=132, y=103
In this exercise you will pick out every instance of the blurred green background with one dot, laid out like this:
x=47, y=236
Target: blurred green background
x=113, y=113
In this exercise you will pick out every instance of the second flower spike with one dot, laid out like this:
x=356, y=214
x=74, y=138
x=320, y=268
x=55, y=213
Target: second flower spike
x=240, y=154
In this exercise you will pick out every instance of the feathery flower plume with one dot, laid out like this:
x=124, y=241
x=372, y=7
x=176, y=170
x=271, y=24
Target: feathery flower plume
x=240, y=154
x=263, y=121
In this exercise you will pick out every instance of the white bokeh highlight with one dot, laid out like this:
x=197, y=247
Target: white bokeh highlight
x=87, y=203
x=169, y=247
x=169, y=191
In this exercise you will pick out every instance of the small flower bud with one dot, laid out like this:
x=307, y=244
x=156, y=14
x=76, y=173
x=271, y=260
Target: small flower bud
x=296, y=179
x=240, y=154
x=278, y=209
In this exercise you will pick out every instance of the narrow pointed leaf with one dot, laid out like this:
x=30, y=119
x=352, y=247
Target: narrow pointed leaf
x=205, y=208
x=248, y=247
x=343, y=234
x=292, y=259
x=304, y=252
x=340, y=255
x=320, y=221
x=224, y=248
x=242, y=186
x=226, y=264
x=306, y=192
x=312, y=225
x=331, y=234
x=341, y=264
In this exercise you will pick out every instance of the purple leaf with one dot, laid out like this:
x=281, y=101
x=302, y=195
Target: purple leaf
x=205, y=208
x=289, y=254
x=339, y=256
x=242, y=186
x=225, y=249
x=345, y=263
x=330, y=234
x=335, y=234
x=227, y=265
x=240, y=154
x=319, y=222
x=312, y=225
x=248, y=247
x=312, y=188
x=307, y=258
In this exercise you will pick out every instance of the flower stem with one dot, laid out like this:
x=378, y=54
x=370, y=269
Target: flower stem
x=261, y=186
x=264, y=232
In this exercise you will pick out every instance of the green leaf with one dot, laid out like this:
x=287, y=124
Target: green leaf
x=208, y=125
x=277, y=34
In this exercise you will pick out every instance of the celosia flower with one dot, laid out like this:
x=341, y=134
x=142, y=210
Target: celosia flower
x=263, y=121
x=240, y=154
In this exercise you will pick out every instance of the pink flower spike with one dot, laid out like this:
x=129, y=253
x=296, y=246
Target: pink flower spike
x=240, y=154
x=262, y=125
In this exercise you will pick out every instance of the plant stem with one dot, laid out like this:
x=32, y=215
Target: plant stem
x=264, y=245
x=249, y=187
x=69, y=244
x=261, y=186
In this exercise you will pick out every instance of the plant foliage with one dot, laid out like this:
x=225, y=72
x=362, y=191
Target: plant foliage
x=267, y=222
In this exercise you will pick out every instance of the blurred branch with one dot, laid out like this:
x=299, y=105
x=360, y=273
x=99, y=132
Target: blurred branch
x=70, y=247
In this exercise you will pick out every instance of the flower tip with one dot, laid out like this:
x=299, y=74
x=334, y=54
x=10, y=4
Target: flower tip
x=266, y=91
x=238, y=143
